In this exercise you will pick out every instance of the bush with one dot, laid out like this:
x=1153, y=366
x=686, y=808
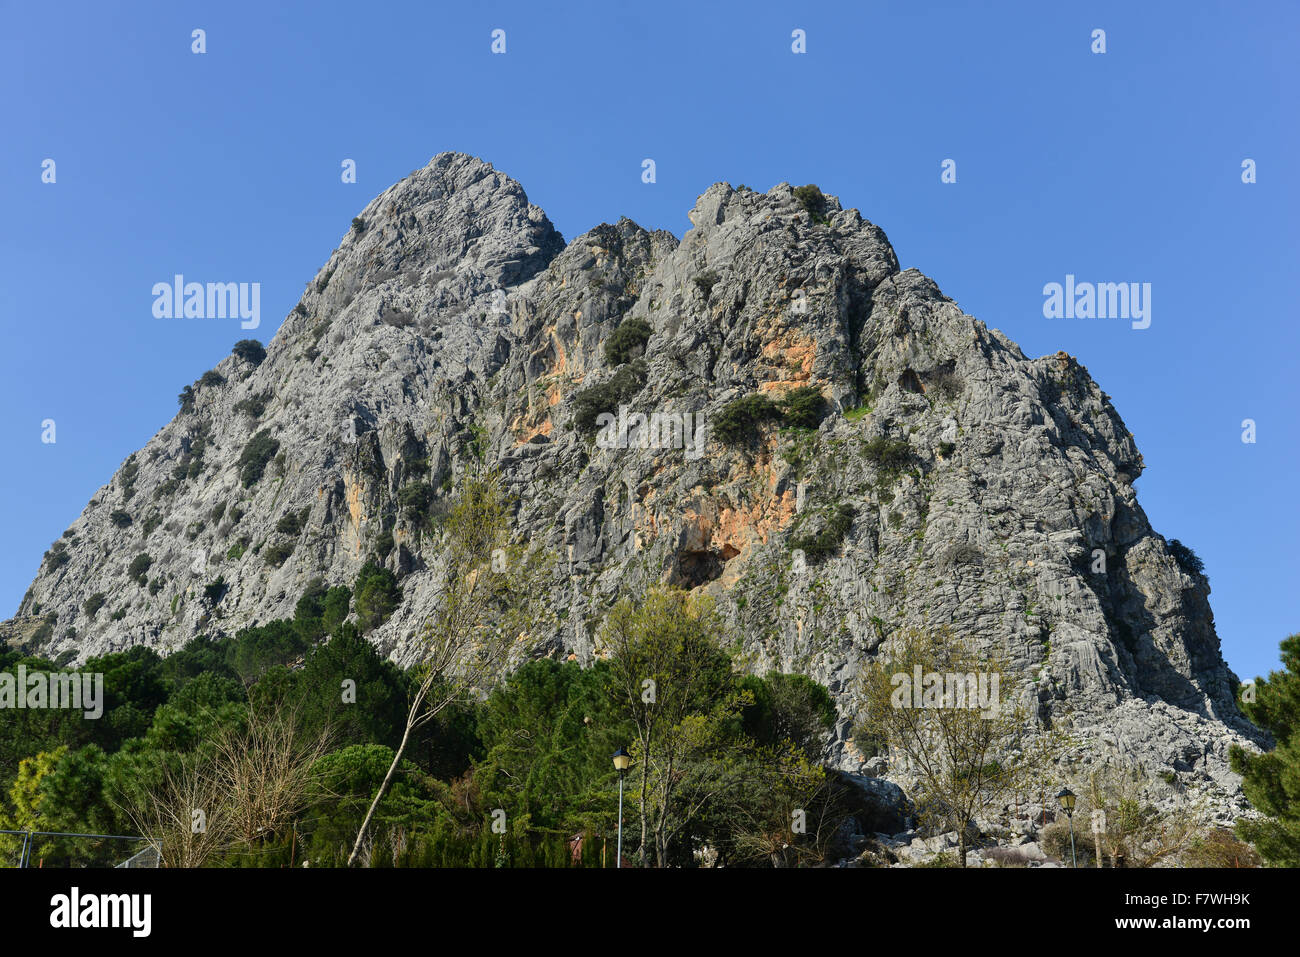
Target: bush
x=250, y=350
x=291, y=523
x=92, y=604
x=212, y=378
x=812, y=200
x=833, y=524
x=887, y=455
x=45, y=631
x=155, y=586
x=186, y=399
x=415, y=499
x=1055, y=842
x=627, y=342
x=57, y=556
x=803, y=408
x=705, y=282
x=622, y=386
x=738, y=421
x=397, y=318
x=254, y=405
x=1187, y=559
x=120, y=518
x=1220, y=848
x=139, y=568
x=236, y=551
x=358, y=225
x=166, y=488
x=377, y=596
x=277, y=554
x=252, y=461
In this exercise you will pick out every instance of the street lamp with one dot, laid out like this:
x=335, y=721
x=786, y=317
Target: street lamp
x=1066, y=797
x=621, y=761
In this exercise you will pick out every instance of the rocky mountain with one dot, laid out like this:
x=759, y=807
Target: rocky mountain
x=943, y=478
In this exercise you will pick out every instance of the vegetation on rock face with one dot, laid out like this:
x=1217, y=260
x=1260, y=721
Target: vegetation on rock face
x=832, y=525
x=705, y=282
x=627, y=341
x=57, y=556
x=92, y=604
x=606, y=397
x=291, y=523
x=254, y=405
x=415, y=499
x=739, y=421
x=257, y=453
x=139, y=568
x=888, y=456
x=277, y=553
x=813, y=201
x=803, y=408
x=130, y=469
x=250, y=350
x=1187, y=559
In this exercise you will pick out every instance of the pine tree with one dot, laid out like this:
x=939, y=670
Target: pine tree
x=1272, y=780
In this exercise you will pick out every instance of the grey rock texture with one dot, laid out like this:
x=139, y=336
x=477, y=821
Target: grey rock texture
x=458, y=325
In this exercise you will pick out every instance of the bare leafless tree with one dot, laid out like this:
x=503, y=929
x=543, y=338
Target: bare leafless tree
x=264, y=765
x=185, y=815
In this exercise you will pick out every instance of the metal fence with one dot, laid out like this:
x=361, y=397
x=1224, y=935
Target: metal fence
x=141, y=858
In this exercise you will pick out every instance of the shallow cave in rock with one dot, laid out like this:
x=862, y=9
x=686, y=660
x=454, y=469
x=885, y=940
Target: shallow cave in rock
x=909, y=381
x=696, y=568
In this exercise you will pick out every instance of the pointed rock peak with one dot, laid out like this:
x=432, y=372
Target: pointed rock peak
x=456, y=214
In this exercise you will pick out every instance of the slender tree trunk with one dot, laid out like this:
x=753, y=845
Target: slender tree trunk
x=379, y=796
x=645, y=793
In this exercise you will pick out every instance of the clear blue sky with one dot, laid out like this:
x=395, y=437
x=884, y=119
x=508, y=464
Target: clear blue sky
x=1124, y=166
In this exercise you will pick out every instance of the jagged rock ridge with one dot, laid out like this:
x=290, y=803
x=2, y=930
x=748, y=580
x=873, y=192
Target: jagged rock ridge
x=456, y=325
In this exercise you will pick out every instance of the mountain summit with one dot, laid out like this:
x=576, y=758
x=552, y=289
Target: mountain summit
x=768, y=410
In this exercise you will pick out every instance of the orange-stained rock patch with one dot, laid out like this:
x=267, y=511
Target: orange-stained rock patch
x=352, y=492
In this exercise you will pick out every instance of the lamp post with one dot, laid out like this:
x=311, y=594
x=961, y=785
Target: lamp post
x=621, y=761
x=1066, y=797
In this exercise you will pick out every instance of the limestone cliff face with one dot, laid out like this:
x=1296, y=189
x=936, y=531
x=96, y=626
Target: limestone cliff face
x=957, y=481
